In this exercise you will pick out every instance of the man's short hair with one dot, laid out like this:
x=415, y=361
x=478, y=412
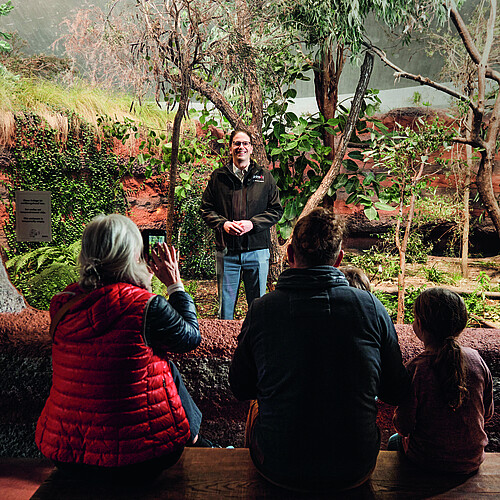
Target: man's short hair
x=237, y=131
x=317, y=238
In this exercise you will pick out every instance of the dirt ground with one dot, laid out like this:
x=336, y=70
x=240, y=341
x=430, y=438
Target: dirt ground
x=205, y=291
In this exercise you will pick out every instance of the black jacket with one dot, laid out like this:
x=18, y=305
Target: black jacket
x=315, y=353
x=172, y=324
x=256, y=199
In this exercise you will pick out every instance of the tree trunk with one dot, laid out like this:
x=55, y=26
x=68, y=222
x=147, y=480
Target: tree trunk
x=466, y=214
x=176, y=132
x=11, y=301
x=466, y=193
x=404, y=245
x=319, y=194
x=326, y=89
x=485, y=187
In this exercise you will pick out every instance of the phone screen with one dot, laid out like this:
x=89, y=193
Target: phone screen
x=150, y=238
x=154, y=239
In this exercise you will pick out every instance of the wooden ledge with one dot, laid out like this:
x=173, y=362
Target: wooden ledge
x=203, y=473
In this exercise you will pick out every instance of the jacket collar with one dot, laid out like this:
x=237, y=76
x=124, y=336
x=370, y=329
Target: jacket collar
x=252, y=168
x=312, y=277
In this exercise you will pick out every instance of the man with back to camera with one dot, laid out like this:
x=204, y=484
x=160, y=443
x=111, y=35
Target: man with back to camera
x=314, y=354
x=241, y=202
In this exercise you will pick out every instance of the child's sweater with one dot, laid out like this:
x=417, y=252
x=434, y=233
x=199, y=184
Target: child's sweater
x=436, y=436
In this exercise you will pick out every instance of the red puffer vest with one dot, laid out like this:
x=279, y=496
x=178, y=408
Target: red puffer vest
x=112, y=402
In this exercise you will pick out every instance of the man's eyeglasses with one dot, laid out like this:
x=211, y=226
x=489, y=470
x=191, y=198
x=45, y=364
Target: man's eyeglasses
x=241, y=143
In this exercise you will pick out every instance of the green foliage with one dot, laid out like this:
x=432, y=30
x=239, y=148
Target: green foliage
x=40, y=273
x=195, y=240
x=390, y=302
x=417, y=249
x=375, y=263
x=155, y=150
x=5, y=8
x=437, y=276
x=321, y=22
x=82, y=177
x=300, y=159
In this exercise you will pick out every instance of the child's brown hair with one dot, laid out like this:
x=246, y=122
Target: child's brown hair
x=356, y=278
x=443, y=316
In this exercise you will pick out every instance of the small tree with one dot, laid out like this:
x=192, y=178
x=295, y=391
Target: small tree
x=460, y=69
x=406, y=155
x=485, y=127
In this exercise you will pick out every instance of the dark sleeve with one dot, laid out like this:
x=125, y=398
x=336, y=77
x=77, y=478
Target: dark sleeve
x=243, y=372
x=207, y=208
x=274, y=210
x=172, y=324
x=394, y=379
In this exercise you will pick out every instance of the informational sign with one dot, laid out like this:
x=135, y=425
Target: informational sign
x=33, y=222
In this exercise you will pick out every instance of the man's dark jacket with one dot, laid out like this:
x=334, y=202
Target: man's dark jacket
x=255, y=199
x=316, y=353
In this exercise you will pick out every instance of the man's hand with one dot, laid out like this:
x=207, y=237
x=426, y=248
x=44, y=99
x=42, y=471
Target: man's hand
x=245, y=226
x=165, y=265
x=238, y=227
x=232, y=227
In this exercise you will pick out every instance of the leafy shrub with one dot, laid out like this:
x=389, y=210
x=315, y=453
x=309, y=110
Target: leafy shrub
x=390, y=302
x=375, y=264
x=195, y=241
x=41, y=273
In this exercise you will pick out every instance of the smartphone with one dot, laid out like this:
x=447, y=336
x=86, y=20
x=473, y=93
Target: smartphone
x=150, y=238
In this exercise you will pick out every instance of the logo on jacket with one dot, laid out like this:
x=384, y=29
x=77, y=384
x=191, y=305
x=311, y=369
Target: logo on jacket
x=258, y=178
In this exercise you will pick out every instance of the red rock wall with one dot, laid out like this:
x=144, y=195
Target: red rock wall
x=26, y=377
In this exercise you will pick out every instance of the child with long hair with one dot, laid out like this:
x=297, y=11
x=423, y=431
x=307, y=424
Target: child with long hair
x=441, y=424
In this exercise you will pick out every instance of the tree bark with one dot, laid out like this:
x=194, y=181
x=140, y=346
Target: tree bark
x=176, y=133
x=402, y=246
x=326, y=89
x=11, y=301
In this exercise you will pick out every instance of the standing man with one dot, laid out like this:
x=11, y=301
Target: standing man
x=241, y=202
x=314, y=355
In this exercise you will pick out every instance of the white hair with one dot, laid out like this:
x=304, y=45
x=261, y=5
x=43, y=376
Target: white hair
x=112, y=253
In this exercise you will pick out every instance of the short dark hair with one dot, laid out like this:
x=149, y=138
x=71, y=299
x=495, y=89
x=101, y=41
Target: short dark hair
x=237, y=131
x=317, y=238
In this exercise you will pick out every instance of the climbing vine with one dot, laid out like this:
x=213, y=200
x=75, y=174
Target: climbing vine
x=80, y=172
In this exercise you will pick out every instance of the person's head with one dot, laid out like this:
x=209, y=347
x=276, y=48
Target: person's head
x=240, y=147
x=316, y=240
x=356, y=278
x=112, y=253
x=440, y=317
x=440, y=314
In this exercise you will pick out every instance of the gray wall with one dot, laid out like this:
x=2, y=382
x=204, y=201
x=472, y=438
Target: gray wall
x=40, y=23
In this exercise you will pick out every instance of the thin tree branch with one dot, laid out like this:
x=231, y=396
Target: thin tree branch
x=467, y=39
x=418, y=78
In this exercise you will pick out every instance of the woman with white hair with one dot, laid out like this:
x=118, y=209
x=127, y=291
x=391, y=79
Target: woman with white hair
x=117, y=404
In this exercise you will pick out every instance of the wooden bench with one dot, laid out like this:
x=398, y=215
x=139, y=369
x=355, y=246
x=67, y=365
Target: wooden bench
x=230, y=473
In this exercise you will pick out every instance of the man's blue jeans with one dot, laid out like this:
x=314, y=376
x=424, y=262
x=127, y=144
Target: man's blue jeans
x=251, y=266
